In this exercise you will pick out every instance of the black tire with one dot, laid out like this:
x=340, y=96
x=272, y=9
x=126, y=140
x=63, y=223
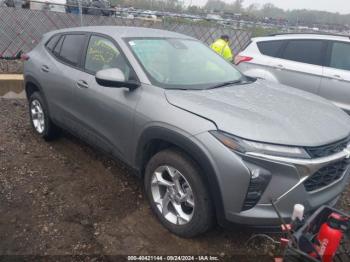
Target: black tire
x=203, y=214
x=50, y=130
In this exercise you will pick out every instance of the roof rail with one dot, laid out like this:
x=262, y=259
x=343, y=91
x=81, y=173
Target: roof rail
x=309, y=33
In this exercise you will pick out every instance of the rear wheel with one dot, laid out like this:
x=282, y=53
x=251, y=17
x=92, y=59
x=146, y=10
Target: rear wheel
x=40, y=118
x=177, y=194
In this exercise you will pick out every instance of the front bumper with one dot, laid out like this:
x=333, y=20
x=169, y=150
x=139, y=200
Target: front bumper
x=290, y=174
x=286, y=186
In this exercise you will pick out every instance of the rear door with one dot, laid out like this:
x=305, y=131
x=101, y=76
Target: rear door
x=300, y=64
x=49, y=75
x=67, y=55
x=335, y=84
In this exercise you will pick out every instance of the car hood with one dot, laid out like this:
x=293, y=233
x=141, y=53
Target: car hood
x=267, y=112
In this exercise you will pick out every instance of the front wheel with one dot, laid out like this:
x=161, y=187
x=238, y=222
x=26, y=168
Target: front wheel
x=177, y=194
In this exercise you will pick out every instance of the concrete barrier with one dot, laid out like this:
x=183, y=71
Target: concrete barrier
x=11, y=86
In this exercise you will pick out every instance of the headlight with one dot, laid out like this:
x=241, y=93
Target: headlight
x=244, y=146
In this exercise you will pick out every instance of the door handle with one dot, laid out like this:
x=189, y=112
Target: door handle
x=82, y=84
x=334, y=77
x=337, y=77
x=279, y=67
x=45, y=68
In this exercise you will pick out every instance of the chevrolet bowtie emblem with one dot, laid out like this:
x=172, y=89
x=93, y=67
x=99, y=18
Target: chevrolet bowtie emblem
x=347, y=152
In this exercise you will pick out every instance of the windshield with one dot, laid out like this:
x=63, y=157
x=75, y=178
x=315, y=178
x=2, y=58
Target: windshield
x=181, y=63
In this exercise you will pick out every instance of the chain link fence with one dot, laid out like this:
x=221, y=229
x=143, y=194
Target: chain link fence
x=21, y=29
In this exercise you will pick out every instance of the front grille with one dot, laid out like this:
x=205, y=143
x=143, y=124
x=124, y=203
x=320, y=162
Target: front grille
x=330, y=149
x=326, y=175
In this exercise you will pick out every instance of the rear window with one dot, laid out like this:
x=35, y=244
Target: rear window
x=305, y=51
x=270, y=48
x=52, y=42
x=71, y=48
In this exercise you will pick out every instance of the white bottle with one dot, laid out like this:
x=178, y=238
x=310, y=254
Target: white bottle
x=298, y=212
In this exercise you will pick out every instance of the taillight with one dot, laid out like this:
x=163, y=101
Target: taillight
x=240, y=58
x=24, y=57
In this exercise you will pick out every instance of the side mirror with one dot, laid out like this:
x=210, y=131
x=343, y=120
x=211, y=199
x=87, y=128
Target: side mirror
x=114, y=77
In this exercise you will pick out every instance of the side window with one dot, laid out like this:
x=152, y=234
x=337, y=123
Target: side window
x=305, y=51
x=71, y=48
x=340, y=56
x=58, y=46
x=102, y=54
x=52, y=42
x=270, y=48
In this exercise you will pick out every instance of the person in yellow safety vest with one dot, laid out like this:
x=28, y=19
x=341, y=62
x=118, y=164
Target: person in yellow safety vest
x=221, y=46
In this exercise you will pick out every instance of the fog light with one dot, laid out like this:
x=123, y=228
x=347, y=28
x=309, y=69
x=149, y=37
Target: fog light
x=259, y=180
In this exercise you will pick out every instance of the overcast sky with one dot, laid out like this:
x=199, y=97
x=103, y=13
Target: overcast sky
x=341, y=6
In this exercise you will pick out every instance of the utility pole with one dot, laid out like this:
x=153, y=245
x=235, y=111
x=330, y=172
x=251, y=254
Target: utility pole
x=80, y=2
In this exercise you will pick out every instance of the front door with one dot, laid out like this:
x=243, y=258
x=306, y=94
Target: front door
x=106, y=114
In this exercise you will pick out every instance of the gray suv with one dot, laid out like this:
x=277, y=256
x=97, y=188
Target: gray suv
x=316, y=63
x=211, y=144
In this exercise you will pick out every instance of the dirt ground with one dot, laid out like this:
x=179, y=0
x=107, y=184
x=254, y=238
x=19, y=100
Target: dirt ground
x=63, y=198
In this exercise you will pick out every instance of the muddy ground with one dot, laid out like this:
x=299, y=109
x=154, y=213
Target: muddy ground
x=63, y=198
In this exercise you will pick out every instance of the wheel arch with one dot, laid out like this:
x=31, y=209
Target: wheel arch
x=31, y=85
x=155, y=139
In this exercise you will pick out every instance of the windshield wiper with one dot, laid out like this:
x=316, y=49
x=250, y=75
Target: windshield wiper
x=225, y=84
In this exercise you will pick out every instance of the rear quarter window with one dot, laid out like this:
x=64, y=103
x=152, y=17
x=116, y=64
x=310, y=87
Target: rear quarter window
x=52, y=42
x=57, y=49
x=270, y=48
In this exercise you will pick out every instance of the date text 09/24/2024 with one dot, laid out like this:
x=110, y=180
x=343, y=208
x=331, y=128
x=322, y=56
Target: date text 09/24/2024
x=173, y=258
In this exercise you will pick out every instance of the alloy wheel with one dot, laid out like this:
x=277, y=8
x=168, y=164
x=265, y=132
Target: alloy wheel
x=38, y=117
x=172, y=195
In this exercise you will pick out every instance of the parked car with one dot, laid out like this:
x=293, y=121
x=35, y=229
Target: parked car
x=49, y=5
x=213, y=17
x=210, y=143
x=316, y=63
